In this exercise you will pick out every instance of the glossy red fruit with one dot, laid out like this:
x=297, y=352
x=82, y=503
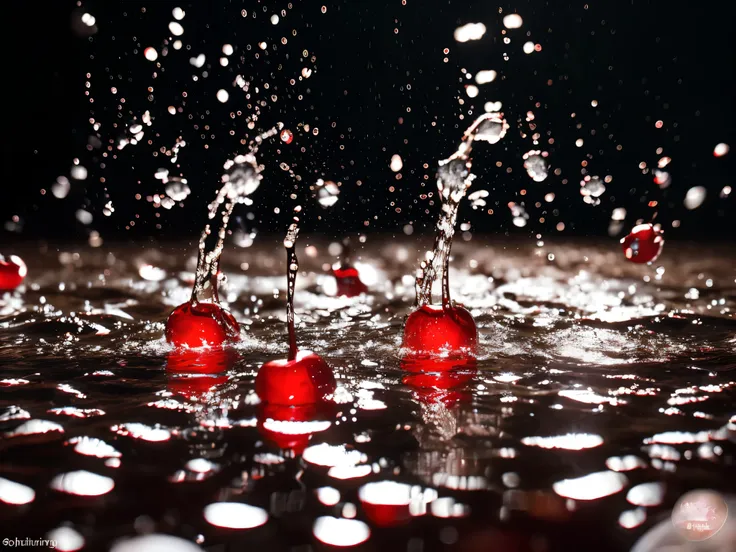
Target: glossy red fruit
x=435, y=331
x=290, y=427
x=12, y=272
x=201, y=324
x=644, y=244
x=348, y=282
x=305, y=380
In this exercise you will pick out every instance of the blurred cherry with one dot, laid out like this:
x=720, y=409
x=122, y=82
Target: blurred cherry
x=12, y=272
x=643, y=244
x=348, y=281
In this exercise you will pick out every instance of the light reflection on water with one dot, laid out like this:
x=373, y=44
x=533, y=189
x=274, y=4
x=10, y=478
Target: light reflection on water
x=599, y=398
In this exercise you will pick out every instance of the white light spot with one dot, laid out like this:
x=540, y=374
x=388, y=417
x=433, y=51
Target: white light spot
x=721, y=149
x=82, y=483
x=176, y=28
x=235, y=515
x=151, y=54
x=513, y=21
x=571, y=441
x=67, y=539
x=222, y=95
x=591, y=486
x=15, y=493
x=155, y=543
x=694, y=197
x=470, y=31
x=485, y=76
x=528, y=47
x=340, y=531
x=396, y=163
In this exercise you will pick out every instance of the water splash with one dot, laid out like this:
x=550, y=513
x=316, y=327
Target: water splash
x=241, y=179
x=453, y=180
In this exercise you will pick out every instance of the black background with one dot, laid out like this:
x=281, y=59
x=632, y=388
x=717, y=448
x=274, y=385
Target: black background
x=641, y=60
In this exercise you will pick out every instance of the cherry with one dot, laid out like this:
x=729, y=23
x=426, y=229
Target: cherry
x=644, y=244
x=287, y=136
x=433, y=331
x=274, y=425
x=348, y=281
x=305, y=379
x=197, y=324
x=12, y=272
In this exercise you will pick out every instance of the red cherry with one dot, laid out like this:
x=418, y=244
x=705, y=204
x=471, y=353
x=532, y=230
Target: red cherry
x=288, y=427
x=348, y=281
x=307, y=379
x=287, y=136
x=434, y=331
x=200, y=361
x=12, y=272
x=195, y=325
x=644, y=244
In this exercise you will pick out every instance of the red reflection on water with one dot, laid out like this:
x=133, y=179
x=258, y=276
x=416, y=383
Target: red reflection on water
x=432, y=330
x=291, y=427
x=440, y=380
x=200, y=361
x=348, y=281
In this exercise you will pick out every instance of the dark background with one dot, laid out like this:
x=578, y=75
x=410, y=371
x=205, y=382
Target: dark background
x=642, y=61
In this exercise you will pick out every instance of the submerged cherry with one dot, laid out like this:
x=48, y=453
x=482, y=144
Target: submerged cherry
x=12, y=272
x=643, y=244
x=434, y=331
x=197, y=324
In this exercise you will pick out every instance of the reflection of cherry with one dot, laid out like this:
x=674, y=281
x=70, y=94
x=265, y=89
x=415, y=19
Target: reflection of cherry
x=200, y=361
x=348, y=281
x=273, y=424
x=193, y=387
x=304, y=379
x=644, y=244
x=440, y=380
x=432, y=331
x=385, y=515
x=193, y=324
x=12, y=272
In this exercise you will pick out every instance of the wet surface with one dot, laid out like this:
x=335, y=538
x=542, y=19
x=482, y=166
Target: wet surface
x=603, y=391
